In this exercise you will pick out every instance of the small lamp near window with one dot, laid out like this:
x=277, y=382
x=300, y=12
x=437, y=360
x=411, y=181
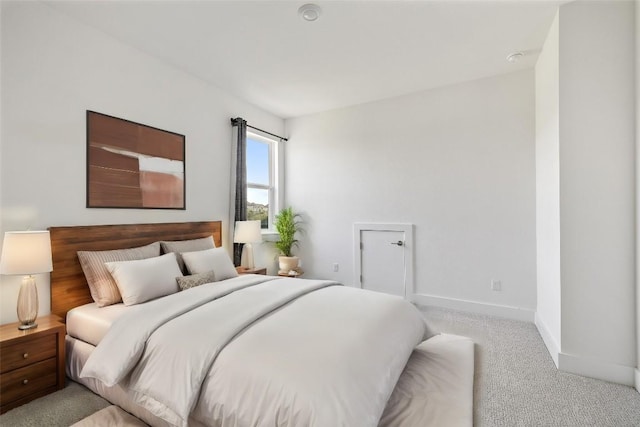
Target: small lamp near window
x=247, y=232
x=26, y=253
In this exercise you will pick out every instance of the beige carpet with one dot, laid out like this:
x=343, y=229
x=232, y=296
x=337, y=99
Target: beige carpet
x=59, y=409
x=517, y=383
x=111, y=416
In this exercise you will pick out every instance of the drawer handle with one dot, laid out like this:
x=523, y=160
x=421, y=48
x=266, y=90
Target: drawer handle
x=24, y=382
x=24, y=356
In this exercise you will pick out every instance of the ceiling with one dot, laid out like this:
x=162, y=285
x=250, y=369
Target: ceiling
x=357, y=52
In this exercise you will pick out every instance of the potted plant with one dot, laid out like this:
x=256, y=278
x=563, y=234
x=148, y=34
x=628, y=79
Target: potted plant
x=287, y=224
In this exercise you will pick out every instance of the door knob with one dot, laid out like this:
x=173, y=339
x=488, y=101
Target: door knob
x=399, y=243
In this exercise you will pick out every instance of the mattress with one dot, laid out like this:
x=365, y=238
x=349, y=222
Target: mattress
x=90, y=323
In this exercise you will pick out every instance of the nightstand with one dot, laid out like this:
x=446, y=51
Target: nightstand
x=289, y=275
x=32, y=362
x=299, y=272
x=256, y=270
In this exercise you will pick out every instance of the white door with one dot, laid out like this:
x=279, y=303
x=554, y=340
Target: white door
x=385, y=258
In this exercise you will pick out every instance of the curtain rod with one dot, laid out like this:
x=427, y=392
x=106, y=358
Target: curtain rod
x=234, y=122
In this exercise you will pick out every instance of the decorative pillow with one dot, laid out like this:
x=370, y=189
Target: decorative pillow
x=145, y=279
x=186, y=282
x=104, y=290
x=192, y=245
x=216, y=259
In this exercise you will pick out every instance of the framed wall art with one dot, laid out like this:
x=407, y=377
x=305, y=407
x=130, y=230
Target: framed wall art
x=131, y=165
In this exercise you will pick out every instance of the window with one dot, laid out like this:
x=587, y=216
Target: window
x=262, y=175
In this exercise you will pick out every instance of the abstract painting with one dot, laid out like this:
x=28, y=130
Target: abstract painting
x=130, y=165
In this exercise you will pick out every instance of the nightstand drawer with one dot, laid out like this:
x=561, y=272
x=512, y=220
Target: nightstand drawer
x=22, y=382
x=27, y=351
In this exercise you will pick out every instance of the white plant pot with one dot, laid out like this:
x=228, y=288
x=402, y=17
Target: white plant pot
x=288, y=263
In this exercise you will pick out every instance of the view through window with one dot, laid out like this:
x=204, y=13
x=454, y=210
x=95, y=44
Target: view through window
x=260, y=187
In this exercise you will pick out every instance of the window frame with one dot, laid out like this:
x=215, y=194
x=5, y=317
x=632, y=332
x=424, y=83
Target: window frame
x=275, y=181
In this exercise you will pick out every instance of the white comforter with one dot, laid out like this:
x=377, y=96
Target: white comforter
x=258, y=350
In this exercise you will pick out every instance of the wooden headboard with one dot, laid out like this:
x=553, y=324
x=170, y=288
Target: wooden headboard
x=69, y=287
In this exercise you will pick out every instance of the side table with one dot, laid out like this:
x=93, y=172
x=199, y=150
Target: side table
x=32, y=362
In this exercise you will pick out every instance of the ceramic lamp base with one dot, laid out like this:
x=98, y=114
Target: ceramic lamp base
x=24, y=327
x=27, y=303
x=247, y=257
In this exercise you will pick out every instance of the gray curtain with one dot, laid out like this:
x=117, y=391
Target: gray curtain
x=238, y=181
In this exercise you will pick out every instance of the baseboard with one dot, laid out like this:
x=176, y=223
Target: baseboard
x=548, y=339
x=598, y=369
x=505, y=311
x=638, y=380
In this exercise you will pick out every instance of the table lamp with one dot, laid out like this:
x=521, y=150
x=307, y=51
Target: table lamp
x=26, y=253
x=247, y=232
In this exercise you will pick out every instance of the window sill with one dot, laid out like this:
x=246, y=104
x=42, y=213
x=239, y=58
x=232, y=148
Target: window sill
x=269, y=235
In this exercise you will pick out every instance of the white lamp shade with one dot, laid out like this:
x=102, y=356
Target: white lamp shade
x=247, y=232
x=26, y=252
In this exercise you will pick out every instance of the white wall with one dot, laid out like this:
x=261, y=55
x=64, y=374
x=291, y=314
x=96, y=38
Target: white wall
x=594, y=100
x=637, y=379
x=597, y=133
x=1, y=44
x=53, y=69
x=548, y=317
x=458, y=162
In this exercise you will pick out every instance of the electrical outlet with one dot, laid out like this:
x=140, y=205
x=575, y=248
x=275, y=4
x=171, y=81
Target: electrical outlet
x=496, y=285
x=336, y=267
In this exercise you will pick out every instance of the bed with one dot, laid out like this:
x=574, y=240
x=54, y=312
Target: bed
x=254, y=350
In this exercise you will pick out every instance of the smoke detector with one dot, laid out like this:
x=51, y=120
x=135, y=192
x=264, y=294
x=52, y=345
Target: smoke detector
x=515, y=57
x=310, y=12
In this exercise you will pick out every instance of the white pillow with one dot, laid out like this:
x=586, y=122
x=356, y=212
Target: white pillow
x=192, y=245
x=216, y=260
x=145, y=279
